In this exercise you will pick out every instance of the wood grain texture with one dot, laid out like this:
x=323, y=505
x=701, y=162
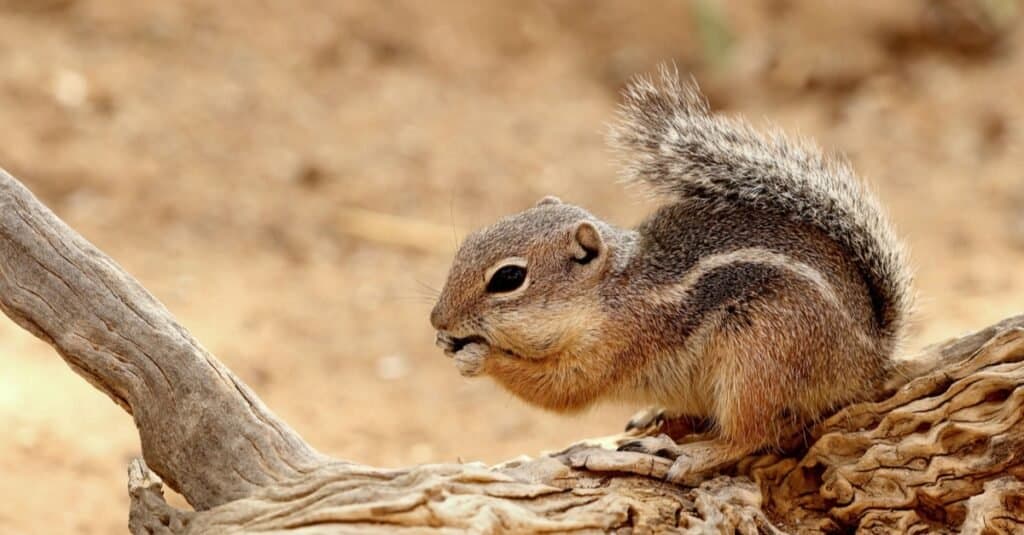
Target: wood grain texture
x=944, y=453
x=201, y=428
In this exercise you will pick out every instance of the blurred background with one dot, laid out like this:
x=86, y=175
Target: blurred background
x=236, y=158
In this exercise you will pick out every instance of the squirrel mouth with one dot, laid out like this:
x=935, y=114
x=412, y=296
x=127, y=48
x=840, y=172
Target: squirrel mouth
x=453, y=344
x=459, y=343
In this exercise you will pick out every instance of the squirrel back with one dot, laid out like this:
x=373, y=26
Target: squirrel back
x=670, y=141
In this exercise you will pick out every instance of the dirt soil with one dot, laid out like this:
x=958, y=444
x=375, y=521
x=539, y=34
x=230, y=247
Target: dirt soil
x=210, y=149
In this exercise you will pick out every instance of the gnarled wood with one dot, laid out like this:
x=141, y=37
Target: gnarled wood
x=943, y=453
x=201, y=428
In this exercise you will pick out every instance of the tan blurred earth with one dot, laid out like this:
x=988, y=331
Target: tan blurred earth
x=210, y=147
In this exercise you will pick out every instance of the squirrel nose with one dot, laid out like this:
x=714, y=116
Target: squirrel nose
x=437, y=319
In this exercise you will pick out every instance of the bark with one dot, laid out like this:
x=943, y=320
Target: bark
x=943, y=453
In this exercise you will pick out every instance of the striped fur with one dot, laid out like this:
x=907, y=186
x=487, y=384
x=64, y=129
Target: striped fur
x=669, y=139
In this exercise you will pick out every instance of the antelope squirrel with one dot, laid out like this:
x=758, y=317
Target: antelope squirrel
x=768, y=291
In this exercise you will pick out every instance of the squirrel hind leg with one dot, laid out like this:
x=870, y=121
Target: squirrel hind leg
x=786, y=359
x=776, y=369
x=751, y=419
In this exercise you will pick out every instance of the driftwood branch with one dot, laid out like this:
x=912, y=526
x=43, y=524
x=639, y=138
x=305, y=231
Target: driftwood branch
x=943, y=453
x=201, y=428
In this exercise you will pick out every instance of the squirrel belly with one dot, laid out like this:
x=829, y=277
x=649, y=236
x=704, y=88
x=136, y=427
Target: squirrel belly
x=768, y=291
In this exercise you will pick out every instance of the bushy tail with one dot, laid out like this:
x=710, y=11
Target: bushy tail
x=669, y=140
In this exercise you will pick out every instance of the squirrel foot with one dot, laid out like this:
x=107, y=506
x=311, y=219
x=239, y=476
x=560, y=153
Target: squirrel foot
x=659, y=446
x=649, y=419
x=697, y=459
x=598, y=459
x=691, y=462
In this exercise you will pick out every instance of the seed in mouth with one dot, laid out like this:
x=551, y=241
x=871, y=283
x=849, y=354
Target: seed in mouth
x=459, y=343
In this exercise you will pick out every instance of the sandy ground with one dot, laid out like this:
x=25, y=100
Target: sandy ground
x=209, y=148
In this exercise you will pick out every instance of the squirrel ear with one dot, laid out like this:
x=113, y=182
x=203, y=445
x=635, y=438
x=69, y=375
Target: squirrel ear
x=587, y=243
x=548, y=199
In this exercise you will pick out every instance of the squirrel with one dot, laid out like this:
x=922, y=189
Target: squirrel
x=768, y=291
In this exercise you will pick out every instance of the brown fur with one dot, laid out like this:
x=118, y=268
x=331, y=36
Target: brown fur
x=754, y=316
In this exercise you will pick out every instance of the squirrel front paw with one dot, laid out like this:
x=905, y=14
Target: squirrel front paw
x=469, y=354
x=470, y=359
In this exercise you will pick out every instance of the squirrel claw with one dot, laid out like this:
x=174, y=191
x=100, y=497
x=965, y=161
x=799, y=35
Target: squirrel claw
x=651, y=418
x=681, y=473
x=658, y=446
x=686, y=469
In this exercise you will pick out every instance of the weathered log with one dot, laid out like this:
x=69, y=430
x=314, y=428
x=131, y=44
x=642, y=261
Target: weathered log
x=943, y=453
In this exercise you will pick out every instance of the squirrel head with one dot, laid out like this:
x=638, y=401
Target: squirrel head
x=526, y=284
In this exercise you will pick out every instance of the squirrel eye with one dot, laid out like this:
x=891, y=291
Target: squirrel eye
x=506, y=279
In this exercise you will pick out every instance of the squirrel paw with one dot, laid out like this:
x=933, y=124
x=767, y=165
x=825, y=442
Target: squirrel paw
x=598, y=459
x=648, y=419
x=447, y=342
x=691, y=463
x=470, y=359
x=468, y=353
x=682, y=428
x=659, y=446
x=694, y=462
x=685, y=472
